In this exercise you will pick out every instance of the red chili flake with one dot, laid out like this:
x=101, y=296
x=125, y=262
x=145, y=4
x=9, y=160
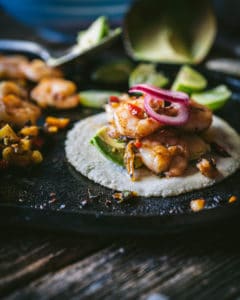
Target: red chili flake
x=135, y=110
x=114, y=99
x=138, y=144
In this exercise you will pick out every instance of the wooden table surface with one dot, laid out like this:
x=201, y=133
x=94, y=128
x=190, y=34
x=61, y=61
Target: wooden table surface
x=43, y=265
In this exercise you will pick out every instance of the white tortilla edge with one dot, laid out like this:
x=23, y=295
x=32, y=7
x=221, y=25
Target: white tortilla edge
x=86, y=159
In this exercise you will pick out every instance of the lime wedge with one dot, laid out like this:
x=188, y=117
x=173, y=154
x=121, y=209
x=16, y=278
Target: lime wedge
x=213, y=99
x=189, y=80
x=113, y=72
x=147, y=73
x=94, y=34
x=95, y=98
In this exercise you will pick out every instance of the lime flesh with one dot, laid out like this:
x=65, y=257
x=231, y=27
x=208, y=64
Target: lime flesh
x=213, y=99
x=189, y=80
x=146, y=73
x=95, y=98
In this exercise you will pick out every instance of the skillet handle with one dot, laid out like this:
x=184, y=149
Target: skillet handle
x=25, y=47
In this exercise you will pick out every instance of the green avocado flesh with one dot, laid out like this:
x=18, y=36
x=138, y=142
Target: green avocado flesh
x=111, y=148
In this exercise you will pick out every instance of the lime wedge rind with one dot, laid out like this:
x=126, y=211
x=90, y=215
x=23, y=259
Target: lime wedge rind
x=214, y=98
x=95, y=98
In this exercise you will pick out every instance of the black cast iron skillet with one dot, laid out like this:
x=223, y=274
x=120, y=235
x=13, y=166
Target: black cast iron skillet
x=55, y=196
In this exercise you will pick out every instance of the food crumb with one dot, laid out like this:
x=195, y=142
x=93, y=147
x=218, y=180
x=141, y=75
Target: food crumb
x=121, y=250
x=232, y=199
x=91, y=196
x=197, y=204
x=52, y=200
x=123, y=196
x=84, y=203
x=108, y=203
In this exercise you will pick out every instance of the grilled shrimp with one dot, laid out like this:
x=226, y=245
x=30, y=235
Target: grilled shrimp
x=129, y=119
x=37, y=70
x=55, y=92
x=155, y=157
x=168, y=151
x=13, y=108
x=10, y=66
x=196, y=145
x=200, y=118
x=9, y=87
x=165, y=151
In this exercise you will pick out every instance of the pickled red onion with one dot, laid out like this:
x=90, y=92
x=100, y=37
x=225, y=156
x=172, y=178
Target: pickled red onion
x=178, y=100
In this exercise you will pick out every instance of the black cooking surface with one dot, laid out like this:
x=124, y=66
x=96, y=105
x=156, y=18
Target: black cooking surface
x=55, y=196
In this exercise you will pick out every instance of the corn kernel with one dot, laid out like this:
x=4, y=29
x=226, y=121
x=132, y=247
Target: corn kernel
x=37, y=157
x=52, y=129
x=197, y=204
x=25, y=144
x=232, y=199
x=7, y=153
x=60, y=123
x=7, y=132
x=30, y=131
x=114, y=104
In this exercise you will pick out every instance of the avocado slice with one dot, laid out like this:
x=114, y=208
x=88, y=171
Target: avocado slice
x=111, y=148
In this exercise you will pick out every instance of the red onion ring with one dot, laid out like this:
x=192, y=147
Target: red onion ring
x=178, y=100
x=167, y=95
x=180, y=119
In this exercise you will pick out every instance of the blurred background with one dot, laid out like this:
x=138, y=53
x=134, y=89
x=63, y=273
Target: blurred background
x=61, y=19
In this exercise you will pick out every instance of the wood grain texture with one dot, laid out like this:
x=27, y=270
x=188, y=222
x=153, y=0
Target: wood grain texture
x=26, y=256
x=198, y=266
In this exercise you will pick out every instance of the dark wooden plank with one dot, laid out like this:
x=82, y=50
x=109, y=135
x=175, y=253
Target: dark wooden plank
x=194, y=267
x=26, y=256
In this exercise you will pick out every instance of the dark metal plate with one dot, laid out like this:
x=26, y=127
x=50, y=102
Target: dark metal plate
x=86, y=207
